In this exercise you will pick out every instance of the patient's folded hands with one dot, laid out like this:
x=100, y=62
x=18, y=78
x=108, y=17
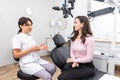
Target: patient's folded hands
x=75, y=64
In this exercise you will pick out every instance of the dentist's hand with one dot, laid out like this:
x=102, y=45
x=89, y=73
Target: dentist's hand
x=43, y=46
x=35, y=48
x=39, y=47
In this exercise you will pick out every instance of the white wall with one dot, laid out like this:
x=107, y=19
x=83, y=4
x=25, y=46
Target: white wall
x=11, y=11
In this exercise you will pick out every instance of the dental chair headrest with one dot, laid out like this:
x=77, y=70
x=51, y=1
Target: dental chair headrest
x=58, y=40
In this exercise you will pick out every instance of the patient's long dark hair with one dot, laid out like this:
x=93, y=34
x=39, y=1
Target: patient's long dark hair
x=86, y=30
x=22, y=21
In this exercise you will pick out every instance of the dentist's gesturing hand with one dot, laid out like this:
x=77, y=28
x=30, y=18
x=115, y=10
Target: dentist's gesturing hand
x=39, y=47
x=43, y=46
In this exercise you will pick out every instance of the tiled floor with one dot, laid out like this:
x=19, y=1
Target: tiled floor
x=9, y=72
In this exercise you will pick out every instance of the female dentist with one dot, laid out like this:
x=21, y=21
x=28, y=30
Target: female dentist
x=25, y=48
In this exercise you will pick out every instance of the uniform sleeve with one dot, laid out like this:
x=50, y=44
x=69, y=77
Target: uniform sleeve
x=90, y=49
x=16, y=43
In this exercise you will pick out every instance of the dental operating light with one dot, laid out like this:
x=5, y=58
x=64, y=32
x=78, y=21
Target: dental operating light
x=66, y=10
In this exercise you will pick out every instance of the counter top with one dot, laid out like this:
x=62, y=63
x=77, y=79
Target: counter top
x=106, y=41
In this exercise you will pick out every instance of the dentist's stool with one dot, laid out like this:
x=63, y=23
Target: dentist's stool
x=24, y=76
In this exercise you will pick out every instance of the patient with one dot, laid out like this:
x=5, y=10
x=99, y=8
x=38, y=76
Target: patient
x=25, y=48
x=81, y=52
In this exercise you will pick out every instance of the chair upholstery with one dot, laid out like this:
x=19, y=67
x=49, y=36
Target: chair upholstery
x=24, y=76
x=61, y=52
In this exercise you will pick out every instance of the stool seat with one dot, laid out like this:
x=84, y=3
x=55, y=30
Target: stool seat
x=25, y=76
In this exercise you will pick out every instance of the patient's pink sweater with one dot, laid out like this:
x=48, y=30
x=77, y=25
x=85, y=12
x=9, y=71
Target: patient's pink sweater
x=82, y=53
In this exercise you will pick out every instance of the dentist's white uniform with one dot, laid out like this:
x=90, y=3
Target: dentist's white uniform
x=31, y=62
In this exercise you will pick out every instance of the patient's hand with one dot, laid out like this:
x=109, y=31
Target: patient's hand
x=75, y=64
x=69, y=60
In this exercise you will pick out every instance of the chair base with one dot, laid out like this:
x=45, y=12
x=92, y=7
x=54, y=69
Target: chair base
x=24, y=76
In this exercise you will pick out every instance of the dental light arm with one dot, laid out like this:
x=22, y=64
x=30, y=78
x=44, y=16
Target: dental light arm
x=115, y=2
x=100, y=0
x=105, y=10
x=56, y=8
x=101, y=12
x=72, y=3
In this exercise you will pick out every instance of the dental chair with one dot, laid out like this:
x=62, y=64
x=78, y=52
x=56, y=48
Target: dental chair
x=24, y=76
x=60, y=54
